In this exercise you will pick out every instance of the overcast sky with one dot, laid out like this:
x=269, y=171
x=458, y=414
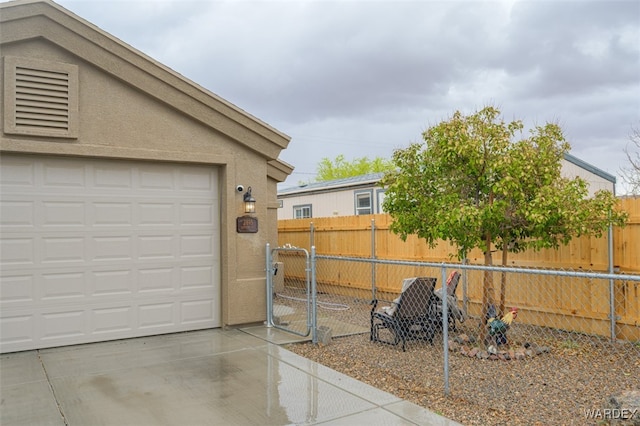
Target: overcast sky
x=362, y=78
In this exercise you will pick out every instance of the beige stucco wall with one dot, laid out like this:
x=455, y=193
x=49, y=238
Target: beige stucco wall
x=131, y=107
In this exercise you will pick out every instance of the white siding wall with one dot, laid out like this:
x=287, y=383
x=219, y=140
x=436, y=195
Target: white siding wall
x=341, y=202
x=596, y=183
x=335, y=203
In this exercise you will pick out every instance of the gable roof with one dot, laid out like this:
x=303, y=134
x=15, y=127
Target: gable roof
x=32, y=19
x=366, y=179
x=593, y=169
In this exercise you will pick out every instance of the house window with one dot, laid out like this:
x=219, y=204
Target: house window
x=41, y=98
x=363, y=202
x=302, y=212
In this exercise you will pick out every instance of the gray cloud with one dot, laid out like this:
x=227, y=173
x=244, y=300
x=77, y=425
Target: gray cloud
x=365, y=77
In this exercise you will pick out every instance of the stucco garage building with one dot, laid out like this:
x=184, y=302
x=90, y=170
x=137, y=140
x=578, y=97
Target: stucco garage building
x=118, y=190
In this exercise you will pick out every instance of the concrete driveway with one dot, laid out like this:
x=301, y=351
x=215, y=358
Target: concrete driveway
x=209, y=377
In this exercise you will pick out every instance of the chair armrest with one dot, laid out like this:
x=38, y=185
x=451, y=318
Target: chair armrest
x=374, y=304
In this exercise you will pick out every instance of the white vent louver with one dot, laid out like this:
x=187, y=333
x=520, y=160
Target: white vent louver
x=42, y=99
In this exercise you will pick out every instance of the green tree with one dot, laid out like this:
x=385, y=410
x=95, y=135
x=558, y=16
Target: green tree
x=342, y=168
x=474, y=184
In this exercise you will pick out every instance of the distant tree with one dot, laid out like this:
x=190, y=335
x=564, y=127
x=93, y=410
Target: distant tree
x=472, y=184
x=341, y=168
x=631, y=173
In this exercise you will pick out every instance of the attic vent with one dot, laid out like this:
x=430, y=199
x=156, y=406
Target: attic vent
x=41, y=98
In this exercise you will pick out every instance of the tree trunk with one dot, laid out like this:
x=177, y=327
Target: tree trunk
x=503, y=282
x=487, y=290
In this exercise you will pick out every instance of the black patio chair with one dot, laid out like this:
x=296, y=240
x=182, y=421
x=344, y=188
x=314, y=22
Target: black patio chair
x=411, y=316
x=455, y=313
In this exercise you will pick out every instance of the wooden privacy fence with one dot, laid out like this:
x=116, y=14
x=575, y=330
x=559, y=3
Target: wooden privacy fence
x=577, y=303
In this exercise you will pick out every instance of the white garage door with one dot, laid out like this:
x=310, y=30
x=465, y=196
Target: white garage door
x=96, y=250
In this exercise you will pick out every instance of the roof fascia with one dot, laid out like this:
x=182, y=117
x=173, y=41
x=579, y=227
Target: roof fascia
x=596, y=171
x=328, y=189
x=278, y=170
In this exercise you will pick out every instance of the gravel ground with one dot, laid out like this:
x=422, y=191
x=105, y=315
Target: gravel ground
x=554, y=388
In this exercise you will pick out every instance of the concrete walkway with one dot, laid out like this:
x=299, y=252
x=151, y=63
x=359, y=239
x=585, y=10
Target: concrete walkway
x=209, y=377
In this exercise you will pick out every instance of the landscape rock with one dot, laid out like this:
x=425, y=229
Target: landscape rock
x=528, y=350
x=464, y=349
x=462, y=339
x=482, y=354
x=539, y=350
x=454, y=346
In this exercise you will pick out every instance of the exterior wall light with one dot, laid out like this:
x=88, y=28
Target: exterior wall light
x=249, y=202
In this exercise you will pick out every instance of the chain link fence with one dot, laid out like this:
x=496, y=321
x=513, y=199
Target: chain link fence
x=528, y=312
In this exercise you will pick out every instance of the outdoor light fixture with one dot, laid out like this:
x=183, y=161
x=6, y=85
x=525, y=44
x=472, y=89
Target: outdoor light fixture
x=247, y=224
x=249, y=202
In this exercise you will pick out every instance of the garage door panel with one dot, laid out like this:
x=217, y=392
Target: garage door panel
x=112, y=177
x=57, y=250
x=63, y=286
x=157, y=247
x=112, y=213
x=97, y=250
x=154, y=178
x=198, y=180
x=17, y=289
x=63, y=213
x=63, y=325
x=114, y=283
x=196, y=312
x=21, y=172
x=112, y=248
x=195, y=277
x=17, y=251
x=156, y=213
x=156, y=279
x=197, y=214
x=18, y=329
x=157, y=315
x=17, y=214
x=117, y=320
x=196, y=246
x=63, y=174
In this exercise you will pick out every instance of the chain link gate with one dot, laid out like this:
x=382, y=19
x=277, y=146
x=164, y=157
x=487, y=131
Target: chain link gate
x=291, y=305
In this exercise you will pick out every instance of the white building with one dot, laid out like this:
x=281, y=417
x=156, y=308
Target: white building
x=362, y=194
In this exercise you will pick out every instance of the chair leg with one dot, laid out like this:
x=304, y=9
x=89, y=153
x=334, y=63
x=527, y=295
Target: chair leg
x=401, y=336
x=371, y=332
x=374, y=331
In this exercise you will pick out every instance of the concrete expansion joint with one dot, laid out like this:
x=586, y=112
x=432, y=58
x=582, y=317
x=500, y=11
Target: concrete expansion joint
x=53, y=391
